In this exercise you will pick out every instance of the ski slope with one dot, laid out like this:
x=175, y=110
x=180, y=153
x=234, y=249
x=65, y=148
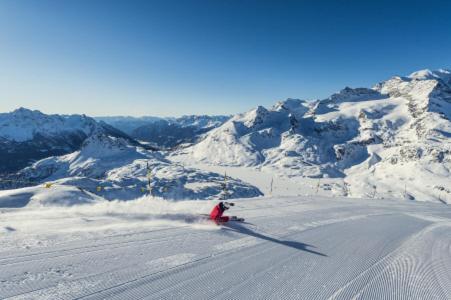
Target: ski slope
x=289, y=248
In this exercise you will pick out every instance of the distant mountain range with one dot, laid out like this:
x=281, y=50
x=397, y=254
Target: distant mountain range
x=29, y=135
x=166, y=133
x=79, y=151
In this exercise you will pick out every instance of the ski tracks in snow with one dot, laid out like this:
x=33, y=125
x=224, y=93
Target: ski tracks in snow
x=319, y=249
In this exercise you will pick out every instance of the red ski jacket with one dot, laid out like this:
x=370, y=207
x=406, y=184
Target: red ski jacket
x=216, y=214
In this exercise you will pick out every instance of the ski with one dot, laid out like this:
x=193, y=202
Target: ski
x=236, y=219
x=232, y=218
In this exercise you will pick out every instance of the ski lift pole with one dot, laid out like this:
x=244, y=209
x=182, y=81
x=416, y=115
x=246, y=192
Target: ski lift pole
x=149, y=177
x=272, y=181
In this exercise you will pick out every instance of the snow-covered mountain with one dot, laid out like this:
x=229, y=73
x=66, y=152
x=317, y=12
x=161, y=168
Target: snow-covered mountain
x=200, y=121
x=113, y=168
x=391, y=140
x=26, y=136
x=166, y=132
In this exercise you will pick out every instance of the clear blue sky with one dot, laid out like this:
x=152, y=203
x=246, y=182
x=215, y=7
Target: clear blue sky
x=215, y=57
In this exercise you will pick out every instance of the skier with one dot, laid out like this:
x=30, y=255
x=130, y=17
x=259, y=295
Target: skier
x=218, y=210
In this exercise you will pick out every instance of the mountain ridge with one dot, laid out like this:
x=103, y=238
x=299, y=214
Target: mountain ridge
x=403, y=122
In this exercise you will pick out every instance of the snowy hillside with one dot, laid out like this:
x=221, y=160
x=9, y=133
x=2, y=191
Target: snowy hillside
x=393, y=140
x=289, y=248
x=38, y=196
x=26, y=136
x=166, y=132
x=112, y=168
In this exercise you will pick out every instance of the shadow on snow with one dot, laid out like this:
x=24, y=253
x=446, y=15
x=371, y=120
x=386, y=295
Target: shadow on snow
x=237, y=227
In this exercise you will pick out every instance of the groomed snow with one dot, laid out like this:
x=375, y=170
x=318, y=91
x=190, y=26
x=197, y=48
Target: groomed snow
x=289, y=248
